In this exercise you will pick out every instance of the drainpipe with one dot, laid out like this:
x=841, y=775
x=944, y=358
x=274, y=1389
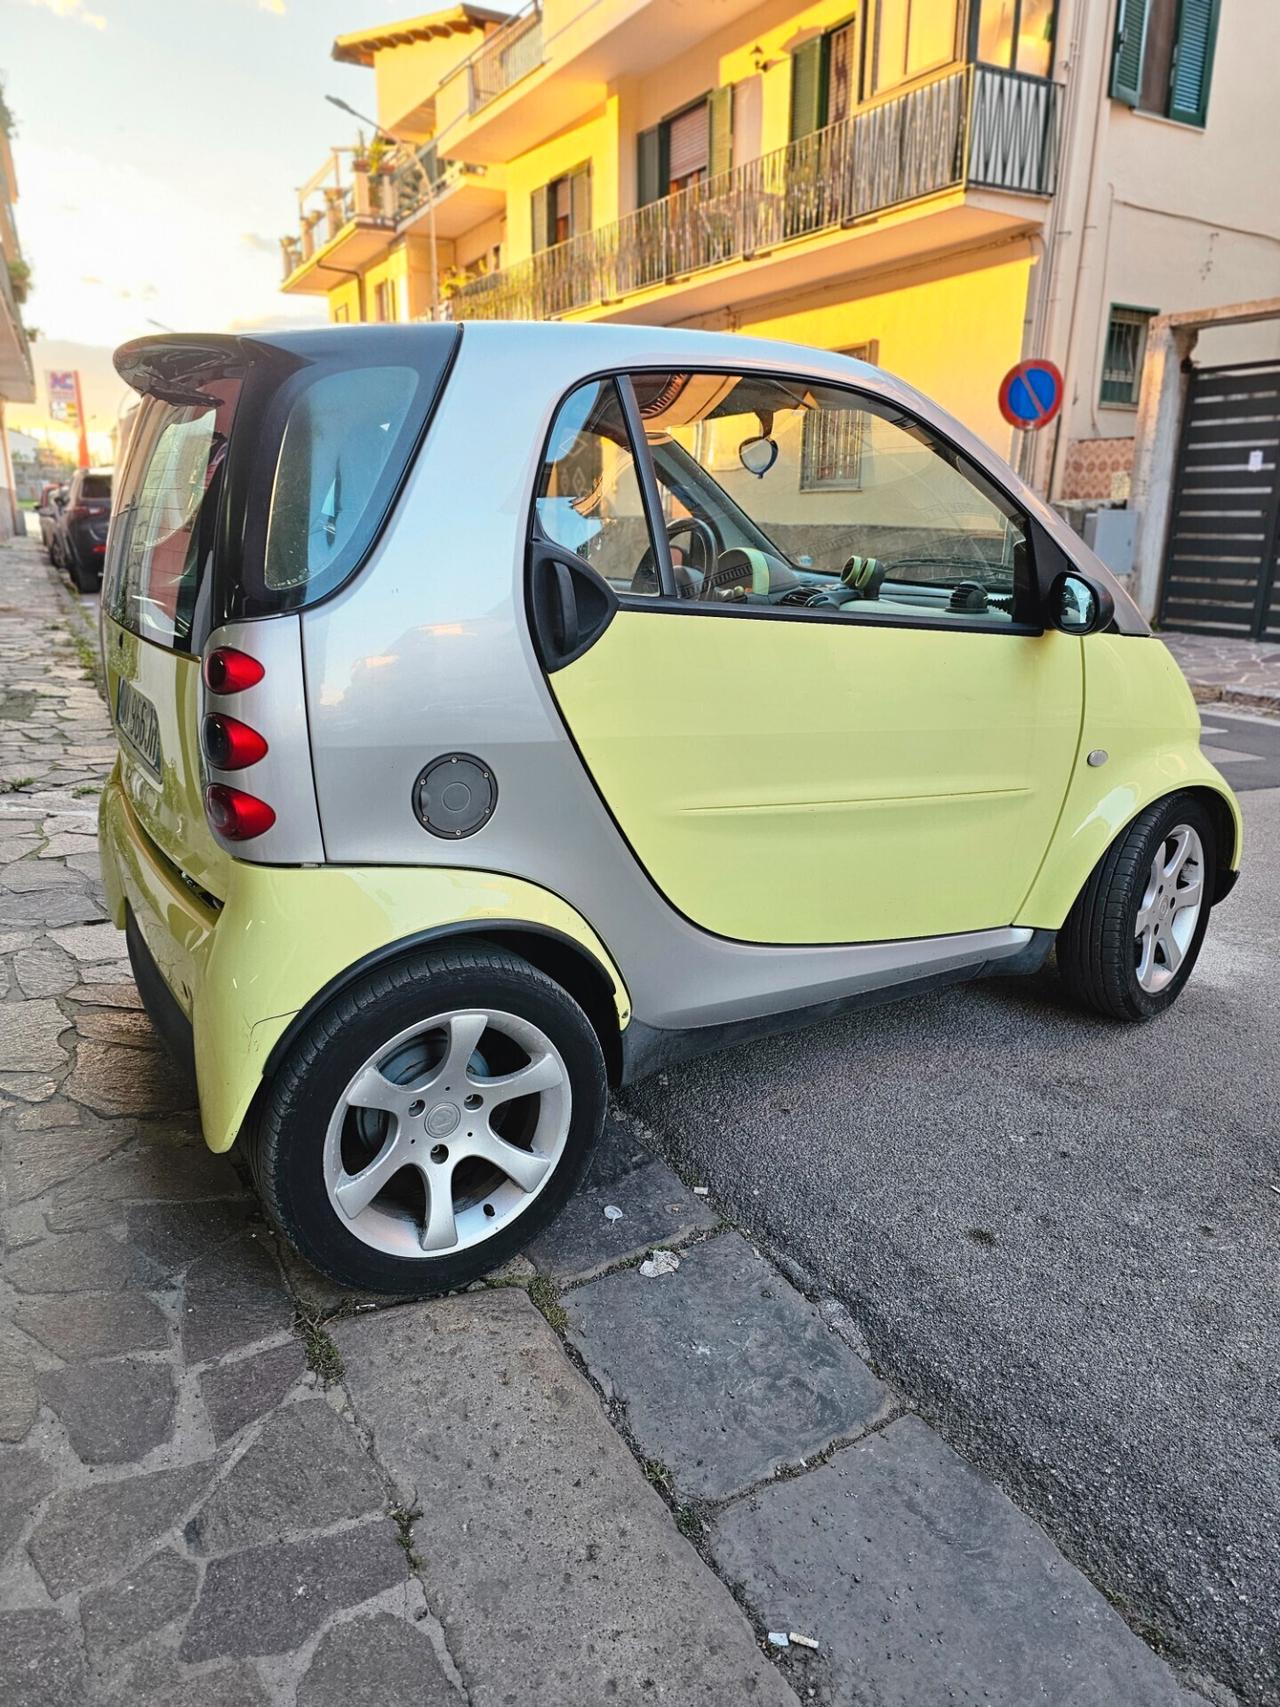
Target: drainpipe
x=358, y=277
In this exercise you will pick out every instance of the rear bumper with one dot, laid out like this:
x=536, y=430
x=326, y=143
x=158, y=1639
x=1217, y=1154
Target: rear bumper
x=238, y=973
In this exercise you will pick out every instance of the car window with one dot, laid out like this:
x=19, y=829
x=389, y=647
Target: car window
x=589, y=497
x=157, y=552
x=96, y=486
x=786, y=494
x=345, y=441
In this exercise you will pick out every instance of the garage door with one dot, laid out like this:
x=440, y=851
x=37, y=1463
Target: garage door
x=1222, y=574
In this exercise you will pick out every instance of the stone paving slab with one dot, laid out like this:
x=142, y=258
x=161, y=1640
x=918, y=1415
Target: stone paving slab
x=726, y=1372
x=657, y=1209
x=922, y=1583
x=555, y=1569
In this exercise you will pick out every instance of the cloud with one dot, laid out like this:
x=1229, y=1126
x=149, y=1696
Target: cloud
x=262, y=245
x=275, y=7
x=72, y=9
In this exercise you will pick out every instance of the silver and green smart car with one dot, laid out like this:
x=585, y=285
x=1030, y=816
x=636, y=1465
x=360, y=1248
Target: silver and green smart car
x=506, y=711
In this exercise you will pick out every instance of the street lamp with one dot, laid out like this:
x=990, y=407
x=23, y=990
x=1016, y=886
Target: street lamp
x=404, y=141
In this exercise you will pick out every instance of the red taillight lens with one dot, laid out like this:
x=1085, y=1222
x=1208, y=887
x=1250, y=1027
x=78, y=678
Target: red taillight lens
x=229, y=671
x=230, y=745
x=235, y=815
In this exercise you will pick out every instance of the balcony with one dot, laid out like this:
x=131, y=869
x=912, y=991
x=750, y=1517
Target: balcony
x=501, y=61
x=978, y=129
x=346, y=217
x=449, y=195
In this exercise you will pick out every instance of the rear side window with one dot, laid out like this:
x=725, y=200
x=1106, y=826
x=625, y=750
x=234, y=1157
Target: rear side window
x=162, y=529
x=346, y=440
x=96, y=486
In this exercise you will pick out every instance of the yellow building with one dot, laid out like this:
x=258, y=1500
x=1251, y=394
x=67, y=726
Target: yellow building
x=933, y=183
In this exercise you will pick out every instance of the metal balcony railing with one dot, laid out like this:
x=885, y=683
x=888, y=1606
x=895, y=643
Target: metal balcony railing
x=509, y=54
x=979, y=126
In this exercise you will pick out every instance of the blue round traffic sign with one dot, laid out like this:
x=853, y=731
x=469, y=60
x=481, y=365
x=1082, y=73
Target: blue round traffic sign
x=1031, y=394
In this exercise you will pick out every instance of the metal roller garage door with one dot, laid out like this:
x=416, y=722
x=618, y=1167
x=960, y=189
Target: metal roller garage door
x=1221, y=573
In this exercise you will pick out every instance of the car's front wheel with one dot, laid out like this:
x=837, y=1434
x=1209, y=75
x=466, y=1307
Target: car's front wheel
x=430, y=1121
x=84, y=578
x=1130, y=942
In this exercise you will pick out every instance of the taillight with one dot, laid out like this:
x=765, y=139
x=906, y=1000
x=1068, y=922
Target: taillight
x=228, y=671
x=230, y=745
x=235, y=815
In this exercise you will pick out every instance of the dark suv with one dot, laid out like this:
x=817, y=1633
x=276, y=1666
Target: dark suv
x=80, y=538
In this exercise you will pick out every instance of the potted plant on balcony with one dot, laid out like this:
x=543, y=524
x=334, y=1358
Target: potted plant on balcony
x=19, y=280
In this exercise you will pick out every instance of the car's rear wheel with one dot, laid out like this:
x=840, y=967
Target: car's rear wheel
x=1130, y=942
x=430, y=1121
x=84, y=579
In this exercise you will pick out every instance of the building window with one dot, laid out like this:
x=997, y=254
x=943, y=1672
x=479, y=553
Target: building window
x=341, y=314
x=912, y=37
x=561, y=209
x=690, y=146
x=1122, y=359
x=832, y=441
x=1016, y=34
x=384, y=300
x=1162, y=57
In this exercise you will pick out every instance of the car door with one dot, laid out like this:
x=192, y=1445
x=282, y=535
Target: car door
x=816, y=695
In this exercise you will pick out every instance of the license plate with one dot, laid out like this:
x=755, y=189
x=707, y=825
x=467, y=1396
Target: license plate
x=137, y=721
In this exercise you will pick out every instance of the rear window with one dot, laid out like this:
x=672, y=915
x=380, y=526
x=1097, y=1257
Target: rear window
x=344, y=443
x=162, y=532
x=96, y=486
x=261, y=471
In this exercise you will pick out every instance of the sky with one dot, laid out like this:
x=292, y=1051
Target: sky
x=158, y=145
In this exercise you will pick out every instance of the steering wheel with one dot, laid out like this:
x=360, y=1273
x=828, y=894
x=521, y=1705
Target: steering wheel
x=643, y=581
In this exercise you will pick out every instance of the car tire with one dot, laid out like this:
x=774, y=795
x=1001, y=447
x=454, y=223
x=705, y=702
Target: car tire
x=444, y=1022
x=83, y=579
x=1133, y=936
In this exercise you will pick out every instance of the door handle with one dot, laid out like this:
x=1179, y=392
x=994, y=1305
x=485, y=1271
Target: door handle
x=570, y=605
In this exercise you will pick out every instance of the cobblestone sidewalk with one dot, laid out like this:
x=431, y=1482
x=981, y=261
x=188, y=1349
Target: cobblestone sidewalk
x=223, y=1484
x=1236, y=672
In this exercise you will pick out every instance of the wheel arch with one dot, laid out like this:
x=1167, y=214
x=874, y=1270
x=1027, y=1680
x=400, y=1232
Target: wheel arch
x=567, y=962
x=1078, y=848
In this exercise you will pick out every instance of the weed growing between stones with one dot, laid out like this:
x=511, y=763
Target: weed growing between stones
x=544, y=1296
x=323, y=1357
x=15, y=784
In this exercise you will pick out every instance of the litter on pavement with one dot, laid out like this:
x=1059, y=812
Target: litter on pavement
x=612, y=1212
x=661, y=1262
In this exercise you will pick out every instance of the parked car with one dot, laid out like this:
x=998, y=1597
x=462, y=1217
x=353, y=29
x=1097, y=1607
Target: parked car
x=79, y=541
x=486, y=743
x=52, y=502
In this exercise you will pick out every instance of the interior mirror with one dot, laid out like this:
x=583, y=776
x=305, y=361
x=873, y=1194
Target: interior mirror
x=1079, y=606
x=758, y=455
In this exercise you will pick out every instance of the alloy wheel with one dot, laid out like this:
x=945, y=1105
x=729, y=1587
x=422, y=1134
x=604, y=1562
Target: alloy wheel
x=447, y=1133
x=1170, y=908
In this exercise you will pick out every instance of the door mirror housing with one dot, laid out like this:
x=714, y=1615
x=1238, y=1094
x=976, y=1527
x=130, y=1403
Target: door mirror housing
x=1077, y=605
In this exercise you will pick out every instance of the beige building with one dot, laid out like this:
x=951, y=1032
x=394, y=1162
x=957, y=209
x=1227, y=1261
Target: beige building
x=948, y=186
x=16, y=382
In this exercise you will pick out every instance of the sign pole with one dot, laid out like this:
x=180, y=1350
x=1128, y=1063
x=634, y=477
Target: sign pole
x=84, y=432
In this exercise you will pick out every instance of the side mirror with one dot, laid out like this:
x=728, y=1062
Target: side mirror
x=1079, y=606
x=758, y=455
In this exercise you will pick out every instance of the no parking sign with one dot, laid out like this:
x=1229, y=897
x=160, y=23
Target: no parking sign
x=1031, y=394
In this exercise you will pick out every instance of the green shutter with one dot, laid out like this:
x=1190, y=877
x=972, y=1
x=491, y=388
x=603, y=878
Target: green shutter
x=720, y=103
x=1193, y=60
x=1126, y=61
x=580, y=202
x=806, y=88
x=538, y=210
x=649, y=185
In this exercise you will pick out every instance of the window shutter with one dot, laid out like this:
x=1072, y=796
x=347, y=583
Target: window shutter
x=649, y=184
x=688, y=142
x=806, y=88
x=580, y=206
x=1193, y=60
x=720, y=102
x=1126, y=61
x=538, y=207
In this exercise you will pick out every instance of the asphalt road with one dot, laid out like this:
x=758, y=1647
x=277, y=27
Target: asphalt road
x=1060, y=1237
